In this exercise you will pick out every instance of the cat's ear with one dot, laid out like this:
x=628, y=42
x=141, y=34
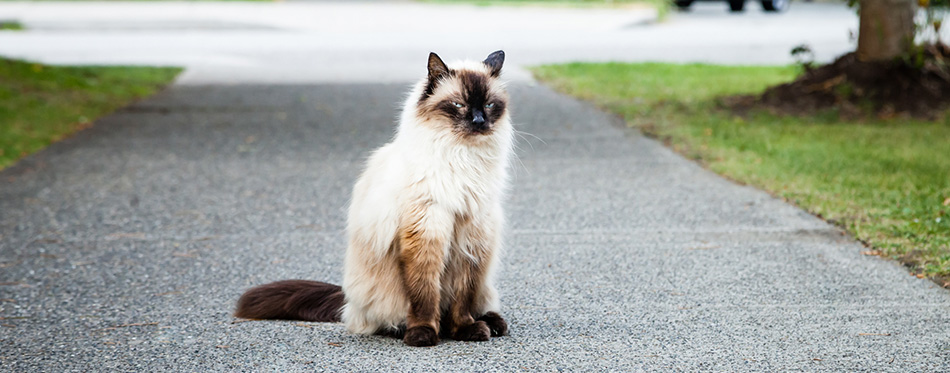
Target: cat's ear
x=437, y=68
x=494, y=62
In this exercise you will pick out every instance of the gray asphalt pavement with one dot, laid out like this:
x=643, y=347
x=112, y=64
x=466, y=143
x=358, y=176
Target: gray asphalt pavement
x=125, y=247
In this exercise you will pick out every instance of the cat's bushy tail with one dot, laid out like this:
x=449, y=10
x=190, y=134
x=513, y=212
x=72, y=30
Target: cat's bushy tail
x=292, y=300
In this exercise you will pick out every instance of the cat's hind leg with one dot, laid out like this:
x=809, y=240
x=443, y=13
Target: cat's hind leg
x=496, y=324
x=486, y=309
x=471, y=267
x=397, y=333
x=485, y=237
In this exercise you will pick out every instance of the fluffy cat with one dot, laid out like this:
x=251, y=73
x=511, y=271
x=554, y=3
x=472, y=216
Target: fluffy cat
x=425, y=220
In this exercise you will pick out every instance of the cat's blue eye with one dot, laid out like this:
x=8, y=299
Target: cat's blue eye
x=489, y=106
x=458, y=105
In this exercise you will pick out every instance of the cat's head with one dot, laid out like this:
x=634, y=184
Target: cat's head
x=469, y=99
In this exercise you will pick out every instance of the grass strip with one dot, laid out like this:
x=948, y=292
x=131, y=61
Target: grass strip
x=40, y=104
x=7, y=25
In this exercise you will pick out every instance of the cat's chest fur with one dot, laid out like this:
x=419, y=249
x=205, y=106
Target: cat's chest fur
x=464, y=180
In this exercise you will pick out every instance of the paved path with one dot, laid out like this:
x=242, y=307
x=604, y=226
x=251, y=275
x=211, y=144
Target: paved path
x=126, y=246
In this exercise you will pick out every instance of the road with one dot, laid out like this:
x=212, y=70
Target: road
x=305, y=42
x=125, y=247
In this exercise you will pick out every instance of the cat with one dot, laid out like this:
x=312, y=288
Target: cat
x=425, y=220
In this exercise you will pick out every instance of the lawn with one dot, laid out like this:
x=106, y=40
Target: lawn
x=6, y=25
x=886, y=181
x=41, y=104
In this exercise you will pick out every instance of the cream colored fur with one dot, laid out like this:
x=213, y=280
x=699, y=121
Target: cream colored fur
x=456, y=177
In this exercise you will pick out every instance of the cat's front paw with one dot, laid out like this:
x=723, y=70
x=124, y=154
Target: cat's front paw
x=475, y=332
x=421, y=336
x=498, y=325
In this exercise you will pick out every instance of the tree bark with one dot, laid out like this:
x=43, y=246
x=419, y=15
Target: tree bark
x=886, y=30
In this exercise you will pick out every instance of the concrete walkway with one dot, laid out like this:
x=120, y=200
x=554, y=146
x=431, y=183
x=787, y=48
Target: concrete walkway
x=125, y=248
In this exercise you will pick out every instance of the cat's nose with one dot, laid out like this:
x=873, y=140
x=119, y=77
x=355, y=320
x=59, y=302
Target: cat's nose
x=478, y=118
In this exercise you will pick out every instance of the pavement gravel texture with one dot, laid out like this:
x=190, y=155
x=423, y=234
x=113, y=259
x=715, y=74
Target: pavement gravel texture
x=126, y=246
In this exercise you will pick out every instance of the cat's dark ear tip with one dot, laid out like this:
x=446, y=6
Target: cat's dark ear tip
x=495, y=61
x=434, y=58
x=497, y=56
x=436, y=67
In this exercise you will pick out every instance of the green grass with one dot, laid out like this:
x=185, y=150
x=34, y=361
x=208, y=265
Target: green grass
x=886, y=181
x=10, y=25
x=41, y=104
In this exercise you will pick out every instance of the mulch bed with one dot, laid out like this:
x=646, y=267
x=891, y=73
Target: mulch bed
x=918, y=88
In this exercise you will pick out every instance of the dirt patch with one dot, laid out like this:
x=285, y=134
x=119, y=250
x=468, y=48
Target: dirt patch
x=918, y=86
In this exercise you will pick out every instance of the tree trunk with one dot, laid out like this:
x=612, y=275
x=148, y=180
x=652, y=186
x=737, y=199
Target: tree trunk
x=886, y=30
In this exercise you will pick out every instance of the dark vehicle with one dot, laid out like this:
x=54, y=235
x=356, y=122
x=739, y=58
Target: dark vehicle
x=738, y=5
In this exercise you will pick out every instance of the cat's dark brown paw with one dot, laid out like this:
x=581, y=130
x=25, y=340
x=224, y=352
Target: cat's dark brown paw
x=498, y=325
x=475, y=332
x=421, y=336
x=397, y=333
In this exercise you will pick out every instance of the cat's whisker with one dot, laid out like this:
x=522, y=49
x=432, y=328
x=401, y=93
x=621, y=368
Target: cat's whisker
x=518, y=158
x=521, y=133
x=518, y=148
x=517, y=144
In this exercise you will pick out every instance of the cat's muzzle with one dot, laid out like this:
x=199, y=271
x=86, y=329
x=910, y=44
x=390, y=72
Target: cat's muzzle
x=479, y=125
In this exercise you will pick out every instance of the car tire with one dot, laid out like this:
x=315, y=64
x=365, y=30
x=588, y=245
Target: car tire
x=736, y=5
x=683, y=4
x=775, y=5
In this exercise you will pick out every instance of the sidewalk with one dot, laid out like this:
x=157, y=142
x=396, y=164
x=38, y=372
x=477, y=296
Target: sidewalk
x=125, y=248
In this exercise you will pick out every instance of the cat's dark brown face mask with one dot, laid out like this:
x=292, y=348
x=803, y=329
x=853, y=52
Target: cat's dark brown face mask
x=464, y=97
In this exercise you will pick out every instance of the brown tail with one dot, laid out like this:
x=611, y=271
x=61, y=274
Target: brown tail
x=292, y=300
